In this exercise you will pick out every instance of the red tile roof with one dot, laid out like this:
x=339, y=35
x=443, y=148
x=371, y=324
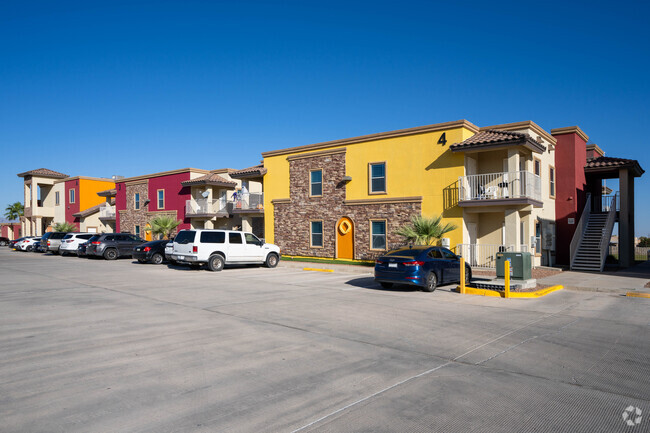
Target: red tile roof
x=608, y=163
x=494, y=137
x=107, y=193
x=210, y=179
x=255, y=171
x=43, y=172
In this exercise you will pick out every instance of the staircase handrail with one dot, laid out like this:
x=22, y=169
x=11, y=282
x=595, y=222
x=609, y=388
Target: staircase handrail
x=607, y=232
x=580, y=229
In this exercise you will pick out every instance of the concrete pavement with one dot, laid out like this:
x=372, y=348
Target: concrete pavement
x=97, y=346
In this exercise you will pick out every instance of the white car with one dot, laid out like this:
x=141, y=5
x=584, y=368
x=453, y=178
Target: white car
x=169, y=250
x=27, y=244
x=217, y=248
x=71, y=242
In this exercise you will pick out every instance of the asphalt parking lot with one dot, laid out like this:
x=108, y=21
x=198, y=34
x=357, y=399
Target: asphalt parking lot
x=97, y=346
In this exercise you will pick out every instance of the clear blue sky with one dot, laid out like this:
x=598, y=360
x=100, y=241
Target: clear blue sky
x=134, y=87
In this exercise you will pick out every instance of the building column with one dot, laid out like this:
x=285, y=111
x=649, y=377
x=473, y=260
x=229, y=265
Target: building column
x=246, y=224
x=626, y=219
x=512, y=228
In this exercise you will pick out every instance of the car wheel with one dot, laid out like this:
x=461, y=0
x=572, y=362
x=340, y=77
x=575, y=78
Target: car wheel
x=110, y=254
x=3, y=243
x=431, y=282
x=216, y=262
x=272, y=260
x=29, y=248
x=386, y=285
x=156, y=259
x=468, y=275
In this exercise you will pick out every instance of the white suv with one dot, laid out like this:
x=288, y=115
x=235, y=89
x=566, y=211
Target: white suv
x=219, y=247
x=71, y=241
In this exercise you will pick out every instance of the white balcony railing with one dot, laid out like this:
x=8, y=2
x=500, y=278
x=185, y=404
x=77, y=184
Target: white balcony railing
x=250, y=201
x=493, y=186
x=485, y=256
x=107, y=212
x=205, y=207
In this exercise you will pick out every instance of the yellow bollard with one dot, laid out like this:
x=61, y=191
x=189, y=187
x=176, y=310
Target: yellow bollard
x=462, y=276
x=506, y=275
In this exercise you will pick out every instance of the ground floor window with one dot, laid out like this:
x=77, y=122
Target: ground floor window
x=316, y=237
x=538, y=237
x=378, y=235
x=137, y=230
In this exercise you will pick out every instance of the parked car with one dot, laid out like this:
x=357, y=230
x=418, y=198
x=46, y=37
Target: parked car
x=27, y=244
x=422, y=266
x=151, y=252
x=71, y=241
x=36, y=247
x=113, y=245
x=4, y=241
x=217, y=248
x=12, y=244
x=81, y=249
x=169, y=249
x=54, y=241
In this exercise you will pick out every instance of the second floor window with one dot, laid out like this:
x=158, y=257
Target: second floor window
x=57, y=198
x=551, y=176
x=136, y=201
x=538, y=167
x=316, y=183
x=161, y=199
x=377, y=180
x=71, y=195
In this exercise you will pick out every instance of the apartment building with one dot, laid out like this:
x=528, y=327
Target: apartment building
x=42, y=195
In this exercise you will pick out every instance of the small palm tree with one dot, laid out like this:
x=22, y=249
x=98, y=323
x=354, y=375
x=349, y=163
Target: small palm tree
x=164, y=225
x=14, y=211
x=65, y=227
x=425, y=231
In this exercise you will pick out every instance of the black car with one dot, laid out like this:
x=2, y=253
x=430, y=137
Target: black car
x=81, y=249
x=36, y=248
x=4, y=241
x=113, y=245
x=152, y=252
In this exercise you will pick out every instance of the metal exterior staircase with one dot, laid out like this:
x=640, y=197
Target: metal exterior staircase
x=591, y=243
x=587, y=256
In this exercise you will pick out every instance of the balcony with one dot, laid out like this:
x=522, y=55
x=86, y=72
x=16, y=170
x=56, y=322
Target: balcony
x=249, y=203
x=107, y=213
x=205, y=208
x=507, y=188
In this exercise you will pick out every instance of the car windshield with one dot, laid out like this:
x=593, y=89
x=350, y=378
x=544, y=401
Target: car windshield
x=406, y=252
x=185, y=237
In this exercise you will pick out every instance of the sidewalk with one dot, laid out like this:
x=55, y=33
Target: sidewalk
x=625, y=280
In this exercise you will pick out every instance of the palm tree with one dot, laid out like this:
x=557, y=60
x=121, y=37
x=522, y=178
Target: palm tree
x=14, y=211
x=425, y=231
x=65, y=227
x=164, y=225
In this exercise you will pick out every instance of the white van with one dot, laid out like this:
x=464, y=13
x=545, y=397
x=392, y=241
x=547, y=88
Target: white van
x=217, y=248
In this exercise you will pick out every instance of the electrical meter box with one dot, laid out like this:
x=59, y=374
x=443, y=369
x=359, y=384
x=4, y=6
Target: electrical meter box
x=521, y=265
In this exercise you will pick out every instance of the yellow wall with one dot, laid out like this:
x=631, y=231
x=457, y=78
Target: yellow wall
x=88, y=189
x=416, y=165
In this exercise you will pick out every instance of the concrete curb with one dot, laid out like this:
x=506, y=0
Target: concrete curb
x=328, y=267
x=496, y=294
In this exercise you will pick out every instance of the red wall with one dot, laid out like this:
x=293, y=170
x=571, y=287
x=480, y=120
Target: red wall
x=72, y=208
x=175, y=196
x=11, y=231
x=570, y=161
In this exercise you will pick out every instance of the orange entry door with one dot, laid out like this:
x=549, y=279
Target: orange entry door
x=345, y=239
x=147, y=233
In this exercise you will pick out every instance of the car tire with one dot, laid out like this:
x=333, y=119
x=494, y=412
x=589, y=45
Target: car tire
x=216, y=262
x=29, y=248
x=468, y=275
x=431, y=282
x=3, y=244
x=157, y=259
x=386, y=285
x=272, y=260
x=110, y=254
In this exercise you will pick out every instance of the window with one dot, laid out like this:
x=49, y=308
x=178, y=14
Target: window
x=435, y=254
x=316, y=183
x=538, y=167
x=252, y=239
x=137, y=231
x=377, y=235
x=448, y=254
x=551, y=180
x=234, y=238
x=213, y=237
x=57, y=199
x=316, y=234
x=71, y=195
x=136, y=201
x=161, y=198
x=185, y=237
x=538, y=237
x=135, y=238
x=377, y=181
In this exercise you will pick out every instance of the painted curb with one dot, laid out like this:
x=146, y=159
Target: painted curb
x=637, y=295
x=494, y=293
x=318, y=270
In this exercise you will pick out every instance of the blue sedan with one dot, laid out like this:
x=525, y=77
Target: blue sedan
x=422, y=266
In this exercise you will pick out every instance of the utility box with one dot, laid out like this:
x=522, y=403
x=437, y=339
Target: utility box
x=521, y=265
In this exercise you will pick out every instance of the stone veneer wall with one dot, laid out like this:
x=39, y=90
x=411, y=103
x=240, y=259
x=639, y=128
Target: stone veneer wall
x=292, y=220
x=131, y=217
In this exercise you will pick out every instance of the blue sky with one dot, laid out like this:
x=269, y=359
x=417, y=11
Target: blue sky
x=134, y=87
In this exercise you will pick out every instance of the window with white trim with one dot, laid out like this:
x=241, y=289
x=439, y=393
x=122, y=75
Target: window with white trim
x=136, y=201
x=161, y=199
x=377, y=180
x=71, y=195
x=316, y=183
x=316, y=234
x=378, y=235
